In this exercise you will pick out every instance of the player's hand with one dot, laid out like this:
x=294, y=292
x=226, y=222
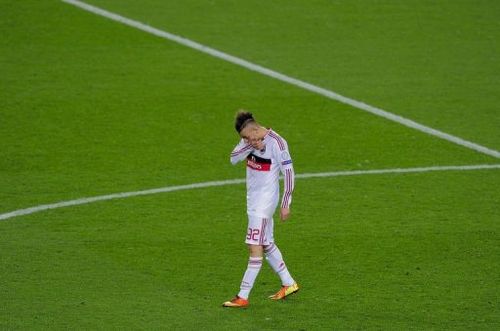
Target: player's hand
x=284, y=213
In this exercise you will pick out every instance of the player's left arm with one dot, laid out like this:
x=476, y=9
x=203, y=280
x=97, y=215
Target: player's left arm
x=286, y=168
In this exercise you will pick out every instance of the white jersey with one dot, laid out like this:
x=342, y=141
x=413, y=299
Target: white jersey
x=263, y=169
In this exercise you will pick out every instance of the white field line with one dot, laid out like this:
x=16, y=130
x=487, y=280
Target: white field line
x=279, y=76
x=122, y=195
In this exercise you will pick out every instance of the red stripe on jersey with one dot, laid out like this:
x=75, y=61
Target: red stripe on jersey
x=258, y=163
x=258, y=166
x=281, y=144
x=288, y=188
x=241, y=150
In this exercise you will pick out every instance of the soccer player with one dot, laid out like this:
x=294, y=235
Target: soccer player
x=266, y=154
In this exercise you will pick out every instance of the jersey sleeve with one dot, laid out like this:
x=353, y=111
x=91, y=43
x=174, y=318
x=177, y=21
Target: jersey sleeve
x=285, y=164
x=240, y=152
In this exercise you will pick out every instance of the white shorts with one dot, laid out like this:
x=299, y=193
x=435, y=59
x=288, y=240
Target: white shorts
x=260, y=230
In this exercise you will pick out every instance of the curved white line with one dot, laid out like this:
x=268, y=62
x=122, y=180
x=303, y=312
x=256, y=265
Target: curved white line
x=122, y=195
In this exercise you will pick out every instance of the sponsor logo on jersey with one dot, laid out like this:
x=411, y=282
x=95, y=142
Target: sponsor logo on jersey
x=286, y=162
x=258, y=163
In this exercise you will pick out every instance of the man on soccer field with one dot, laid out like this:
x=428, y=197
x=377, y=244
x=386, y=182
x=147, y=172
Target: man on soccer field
x=266, y=154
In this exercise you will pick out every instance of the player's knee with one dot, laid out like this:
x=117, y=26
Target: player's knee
x=255, y=250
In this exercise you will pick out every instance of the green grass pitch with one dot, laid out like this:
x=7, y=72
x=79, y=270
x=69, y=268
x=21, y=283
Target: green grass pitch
x=90, y=107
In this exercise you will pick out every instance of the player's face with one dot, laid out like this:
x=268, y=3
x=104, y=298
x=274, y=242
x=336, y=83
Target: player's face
x=250, y=135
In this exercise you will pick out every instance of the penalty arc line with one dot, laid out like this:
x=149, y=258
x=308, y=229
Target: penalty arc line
x=284, y=78
x=84, y=201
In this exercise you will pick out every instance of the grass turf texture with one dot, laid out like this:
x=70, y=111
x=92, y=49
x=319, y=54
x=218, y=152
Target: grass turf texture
x=92, y=107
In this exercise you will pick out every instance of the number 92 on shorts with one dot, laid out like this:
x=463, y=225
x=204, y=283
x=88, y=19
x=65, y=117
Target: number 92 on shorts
x=260, y=230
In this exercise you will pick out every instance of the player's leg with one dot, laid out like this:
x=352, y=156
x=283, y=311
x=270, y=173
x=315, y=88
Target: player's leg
x=277, y=263
x=253, y=268
x=254, y=239
x=275, y=260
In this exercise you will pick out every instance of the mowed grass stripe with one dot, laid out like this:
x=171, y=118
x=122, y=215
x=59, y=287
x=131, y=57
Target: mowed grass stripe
x=287, y=79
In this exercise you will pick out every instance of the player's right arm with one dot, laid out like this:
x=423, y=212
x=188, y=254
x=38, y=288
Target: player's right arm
x=241, y=151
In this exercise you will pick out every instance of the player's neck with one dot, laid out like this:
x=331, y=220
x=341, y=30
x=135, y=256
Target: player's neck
x=262, y=131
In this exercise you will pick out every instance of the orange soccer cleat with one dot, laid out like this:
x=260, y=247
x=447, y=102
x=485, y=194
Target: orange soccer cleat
x=237, y=302
x=285, y=291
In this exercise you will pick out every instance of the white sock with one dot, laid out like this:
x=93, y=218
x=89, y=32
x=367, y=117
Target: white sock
x=253, y=268
x=275, y=259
